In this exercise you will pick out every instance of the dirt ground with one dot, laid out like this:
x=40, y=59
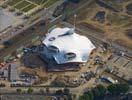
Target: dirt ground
x=115, y=25
x=48, y=77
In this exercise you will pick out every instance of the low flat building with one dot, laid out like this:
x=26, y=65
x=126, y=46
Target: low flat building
x=13, y=72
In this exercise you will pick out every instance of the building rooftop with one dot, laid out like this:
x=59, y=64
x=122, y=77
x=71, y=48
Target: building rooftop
x=69, y=46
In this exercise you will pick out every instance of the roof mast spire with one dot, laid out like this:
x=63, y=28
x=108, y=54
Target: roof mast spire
x=75, y=17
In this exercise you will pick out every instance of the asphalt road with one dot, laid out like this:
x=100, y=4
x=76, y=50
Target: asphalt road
x=78, y=90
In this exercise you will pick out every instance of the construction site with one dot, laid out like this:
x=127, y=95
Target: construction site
x=74, y=45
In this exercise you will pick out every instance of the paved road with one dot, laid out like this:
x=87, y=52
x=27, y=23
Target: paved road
x=78, y=90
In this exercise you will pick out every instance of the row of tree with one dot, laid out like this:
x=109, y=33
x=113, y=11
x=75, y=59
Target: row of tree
x=29, y=91
x=100, y=91
x=64, y=93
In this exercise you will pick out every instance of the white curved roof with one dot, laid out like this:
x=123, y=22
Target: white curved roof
x=73, y=43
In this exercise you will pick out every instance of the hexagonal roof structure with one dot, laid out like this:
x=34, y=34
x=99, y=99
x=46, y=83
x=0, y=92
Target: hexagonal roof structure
x=68, y=46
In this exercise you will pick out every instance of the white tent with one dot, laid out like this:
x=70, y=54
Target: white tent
x=65, y=46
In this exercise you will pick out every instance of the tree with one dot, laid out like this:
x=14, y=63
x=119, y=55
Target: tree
x=74, y=96
x=2, y=85
x=66, y=91
x=41, y=91
x=91, y=96
x=59, y=92
x=19, y=90
x=101, y=89
x=30, y=90
x=84, y=97
x=123, y=88
x=118, y=88
x=96, y=92
x=47, y=90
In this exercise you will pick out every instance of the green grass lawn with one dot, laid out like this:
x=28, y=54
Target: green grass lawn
x=29, y=8
x=27, y=5
x=13, y=2
x=38, y=1
x=50, y=2
x=22, y=5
